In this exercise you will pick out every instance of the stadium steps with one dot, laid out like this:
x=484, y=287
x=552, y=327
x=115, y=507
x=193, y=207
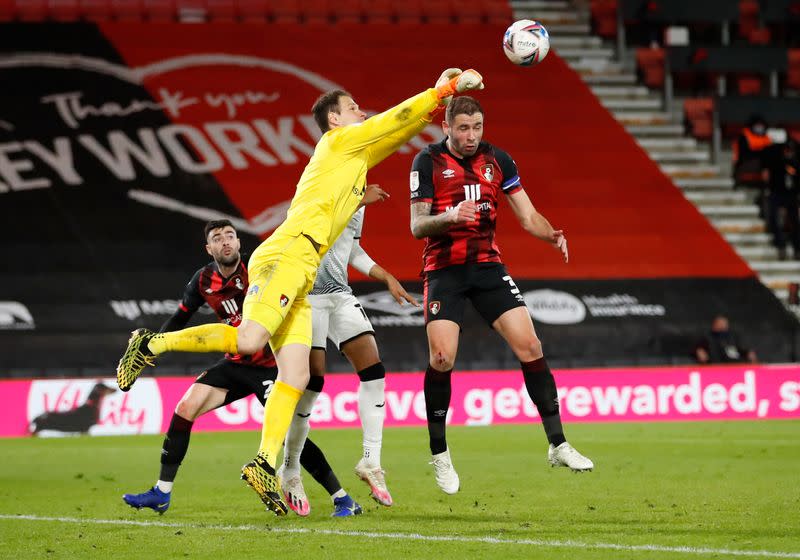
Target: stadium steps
x=661, y=134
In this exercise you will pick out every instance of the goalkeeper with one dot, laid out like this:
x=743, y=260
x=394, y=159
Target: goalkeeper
x=283, y=268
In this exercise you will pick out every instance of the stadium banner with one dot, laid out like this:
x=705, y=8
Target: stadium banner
x=95, y=407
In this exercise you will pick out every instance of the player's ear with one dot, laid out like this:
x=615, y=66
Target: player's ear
x=208, y=250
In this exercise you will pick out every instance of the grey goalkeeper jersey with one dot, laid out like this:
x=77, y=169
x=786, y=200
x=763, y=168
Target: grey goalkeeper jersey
x=332, y=272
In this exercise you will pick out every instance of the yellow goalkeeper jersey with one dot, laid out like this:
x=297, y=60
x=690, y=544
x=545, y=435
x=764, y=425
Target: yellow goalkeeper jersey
x=334, y=181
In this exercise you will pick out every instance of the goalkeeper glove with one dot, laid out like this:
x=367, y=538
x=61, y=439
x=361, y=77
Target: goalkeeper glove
x=459, y=83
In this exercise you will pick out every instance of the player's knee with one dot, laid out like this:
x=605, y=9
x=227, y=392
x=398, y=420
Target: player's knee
x=249, y=342
x=441, y=361
x=188, y=408
x=531, y=350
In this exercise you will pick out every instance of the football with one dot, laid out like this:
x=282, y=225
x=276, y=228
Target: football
x=526, y=42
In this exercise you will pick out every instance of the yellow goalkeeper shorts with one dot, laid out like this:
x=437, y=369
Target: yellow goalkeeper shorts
x=281, y=272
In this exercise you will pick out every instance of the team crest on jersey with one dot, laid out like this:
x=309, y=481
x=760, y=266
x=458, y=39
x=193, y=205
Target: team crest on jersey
x=434, y=307
x=239, y=285
x=284, y=300
x=487, y=170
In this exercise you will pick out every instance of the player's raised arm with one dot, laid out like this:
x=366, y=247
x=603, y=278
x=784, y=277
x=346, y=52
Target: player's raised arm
x=536, y=224
x=412, y=111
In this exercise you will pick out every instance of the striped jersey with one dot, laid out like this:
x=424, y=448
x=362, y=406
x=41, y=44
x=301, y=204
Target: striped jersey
x=444, y=180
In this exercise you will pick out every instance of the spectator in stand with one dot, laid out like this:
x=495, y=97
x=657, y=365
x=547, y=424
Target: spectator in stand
x=722, y=346
x=781, y=174
x=748, y=150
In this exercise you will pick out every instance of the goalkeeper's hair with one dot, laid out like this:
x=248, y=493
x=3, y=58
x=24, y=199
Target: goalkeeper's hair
x=326, y=103
x=216, y=224
x=464, y=105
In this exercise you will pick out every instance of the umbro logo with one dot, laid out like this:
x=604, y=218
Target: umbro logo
x=380, y=405
x=448, y=173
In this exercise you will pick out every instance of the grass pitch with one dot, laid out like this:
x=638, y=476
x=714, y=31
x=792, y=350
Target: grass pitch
x=671, y=490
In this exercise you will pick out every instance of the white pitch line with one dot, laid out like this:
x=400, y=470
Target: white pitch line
x=416, y=537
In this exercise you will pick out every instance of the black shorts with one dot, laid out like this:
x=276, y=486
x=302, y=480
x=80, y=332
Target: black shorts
x=487, y=285
x=241, y=380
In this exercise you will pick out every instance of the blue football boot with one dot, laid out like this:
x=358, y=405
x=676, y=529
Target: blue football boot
x=345, y=507
x=154, y=499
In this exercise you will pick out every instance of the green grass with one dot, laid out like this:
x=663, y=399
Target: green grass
x=730, y=486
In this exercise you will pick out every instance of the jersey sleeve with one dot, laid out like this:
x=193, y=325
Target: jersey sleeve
x=355, y=137
x=421, y=179
x=190, y=303
x=508, y=167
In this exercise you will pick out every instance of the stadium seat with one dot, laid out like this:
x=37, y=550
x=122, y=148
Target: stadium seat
x=651, y=65
x=409, y=11
x=699, y=116
x=604, y=17
x=285, y=11
x=32, y=10
x=160, y=11
x=64, y=10
x=127, y=10
x=437, y=11
x=498, y=12
x=316, y=11
x=378, y=11
x=96, y=10
x=793, y=73
x=759, y=36
x=748, y=17
x=253, y=11
x=348, y=11
x=748, y=84
x=8, y=10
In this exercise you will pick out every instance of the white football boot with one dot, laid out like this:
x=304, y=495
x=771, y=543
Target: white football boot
x=446, y=475
x=567, y=456
x=293, y=492
x=376, y=480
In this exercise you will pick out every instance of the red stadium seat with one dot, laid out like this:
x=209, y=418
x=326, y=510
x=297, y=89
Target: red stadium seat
x=759, y=36
x=316, y=11
x=748, y=84
x=793, y=73
x=127, y=10
x=32, y=10
x=64, y=10
x=437, y=11
x=409, y=11
x=748, y=17
x=160, y=11
x=699, y=115
x=468, y=11
x=348, y=11
x=285, y=11
x=498, y=12
x=96, y=10
x=253, y=11
x=604, y=17
x=651, y=64
x=378, y=11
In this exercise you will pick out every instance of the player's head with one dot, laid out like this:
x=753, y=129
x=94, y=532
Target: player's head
x=222, y=242
x=720, y=324
x=463, y=125
x=336, y=108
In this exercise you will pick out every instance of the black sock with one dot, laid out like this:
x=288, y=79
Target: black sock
x=176, y=443
x=437, y=400
x=313, y=460
x=373, y=372
x=542, y=391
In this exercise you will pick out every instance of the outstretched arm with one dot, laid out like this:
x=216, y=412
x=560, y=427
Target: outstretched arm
x=190, y=303
x=536, y=224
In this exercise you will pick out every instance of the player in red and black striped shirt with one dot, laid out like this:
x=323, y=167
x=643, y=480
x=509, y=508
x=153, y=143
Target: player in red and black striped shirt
x=455, y=186
x=223, y=284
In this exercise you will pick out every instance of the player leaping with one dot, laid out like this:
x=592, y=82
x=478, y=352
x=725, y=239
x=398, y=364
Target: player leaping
x=283, y=268
x=455, y=188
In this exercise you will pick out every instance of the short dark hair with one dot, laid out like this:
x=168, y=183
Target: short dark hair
x=216, y=224
x=326, y=103
x=464, y=105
